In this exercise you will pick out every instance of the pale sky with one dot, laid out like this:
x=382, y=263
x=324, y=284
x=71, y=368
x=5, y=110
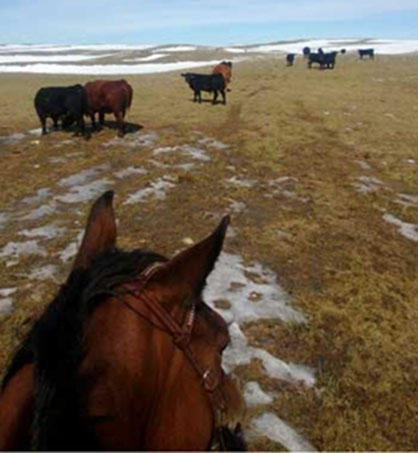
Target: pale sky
x=212, y=22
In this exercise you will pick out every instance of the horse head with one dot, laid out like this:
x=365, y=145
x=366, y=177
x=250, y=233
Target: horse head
x=128, y=355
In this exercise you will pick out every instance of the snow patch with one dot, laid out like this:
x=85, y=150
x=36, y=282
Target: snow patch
x=48, y=232
x=3, y=220
x=255, y=396
x=47, y=272
x=130, y=171
x=82, y=176
x=240, y=353
x=155, y=56
x=132, y=140
x=188, y=150
x=17, y=249
x=242, y=182
x=69, y=252
x=277, y=430
x=408, y=230
x=41, y=195
x=108, y=69
x=46, y=209
x=8, y=59
x=156, y=189
x=80, y=194
x=233, y=281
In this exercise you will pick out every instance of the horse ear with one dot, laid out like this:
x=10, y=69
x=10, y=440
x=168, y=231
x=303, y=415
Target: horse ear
x=185, y=275
x=100, y=232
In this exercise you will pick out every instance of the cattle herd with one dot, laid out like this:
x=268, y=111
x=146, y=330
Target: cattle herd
x=70, y=104
x=325, y=60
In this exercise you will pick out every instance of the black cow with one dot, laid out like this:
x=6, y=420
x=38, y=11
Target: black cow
x=212, y=83
x=325, y=60
x=366, y=52
x=290, y=58
x=306, y=51
x=329, y=59
x=68, y=104
x=343, y=51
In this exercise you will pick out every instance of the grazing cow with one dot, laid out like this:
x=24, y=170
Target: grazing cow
x=203, y=82
x=366, y=52
x=306, y=51
x=68, y=104
x=224, y=68
x=290, y=58
x=109, y=96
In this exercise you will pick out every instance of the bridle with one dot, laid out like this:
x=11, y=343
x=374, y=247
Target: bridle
x=159, y=317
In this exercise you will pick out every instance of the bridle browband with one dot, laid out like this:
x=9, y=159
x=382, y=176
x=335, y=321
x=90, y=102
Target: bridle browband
x=181, y=334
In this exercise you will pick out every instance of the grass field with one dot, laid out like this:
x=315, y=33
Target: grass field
x=348, y=142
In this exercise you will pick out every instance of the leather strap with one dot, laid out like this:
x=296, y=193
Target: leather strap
x=162, y=320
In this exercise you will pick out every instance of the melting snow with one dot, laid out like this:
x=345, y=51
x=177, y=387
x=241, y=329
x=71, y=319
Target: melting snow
x=86, y=192
x=242, y=182
x=46, y=209
x=213, y=143
x=6, y=302
x=408, y=230
x=235, y=282
x=240, y=353
x=48, y=58
x=109, y=69
x=179, y=49
x=48, y=232
x=47, y=272
x=130, y=171
x=368, y=184
x=274, y=428
x=155, y=56
x=189, y=150
x=41, y=195
x=71, y=249
x=255, y=396
x=82, y=176
x=3, y=219
x=133, y=140
x=17, y=249
x=157, y=189
x=408, y=200
x=364, y=165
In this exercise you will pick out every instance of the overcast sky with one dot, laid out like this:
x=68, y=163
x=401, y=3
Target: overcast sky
x=202, y=21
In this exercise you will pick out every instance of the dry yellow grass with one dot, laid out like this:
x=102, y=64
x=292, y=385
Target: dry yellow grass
x=352, y=273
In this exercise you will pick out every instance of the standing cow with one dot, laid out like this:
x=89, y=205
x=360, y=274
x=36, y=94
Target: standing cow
x=366, y=52
x=290, y=58
x=212, y=83
x=68, y=104
x=109, y=96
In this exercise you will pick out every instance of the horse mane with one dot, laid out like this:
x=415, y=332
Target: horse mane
x=55, y=346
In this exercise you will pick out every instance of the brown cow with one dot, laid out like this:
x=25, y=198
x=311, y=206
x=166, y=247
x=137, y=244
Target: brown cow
x=224, y=68
x=109, y=96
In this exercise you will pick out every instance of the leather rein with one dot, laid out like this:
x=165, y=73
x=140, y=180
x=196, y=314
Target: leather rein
x=181, y=334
